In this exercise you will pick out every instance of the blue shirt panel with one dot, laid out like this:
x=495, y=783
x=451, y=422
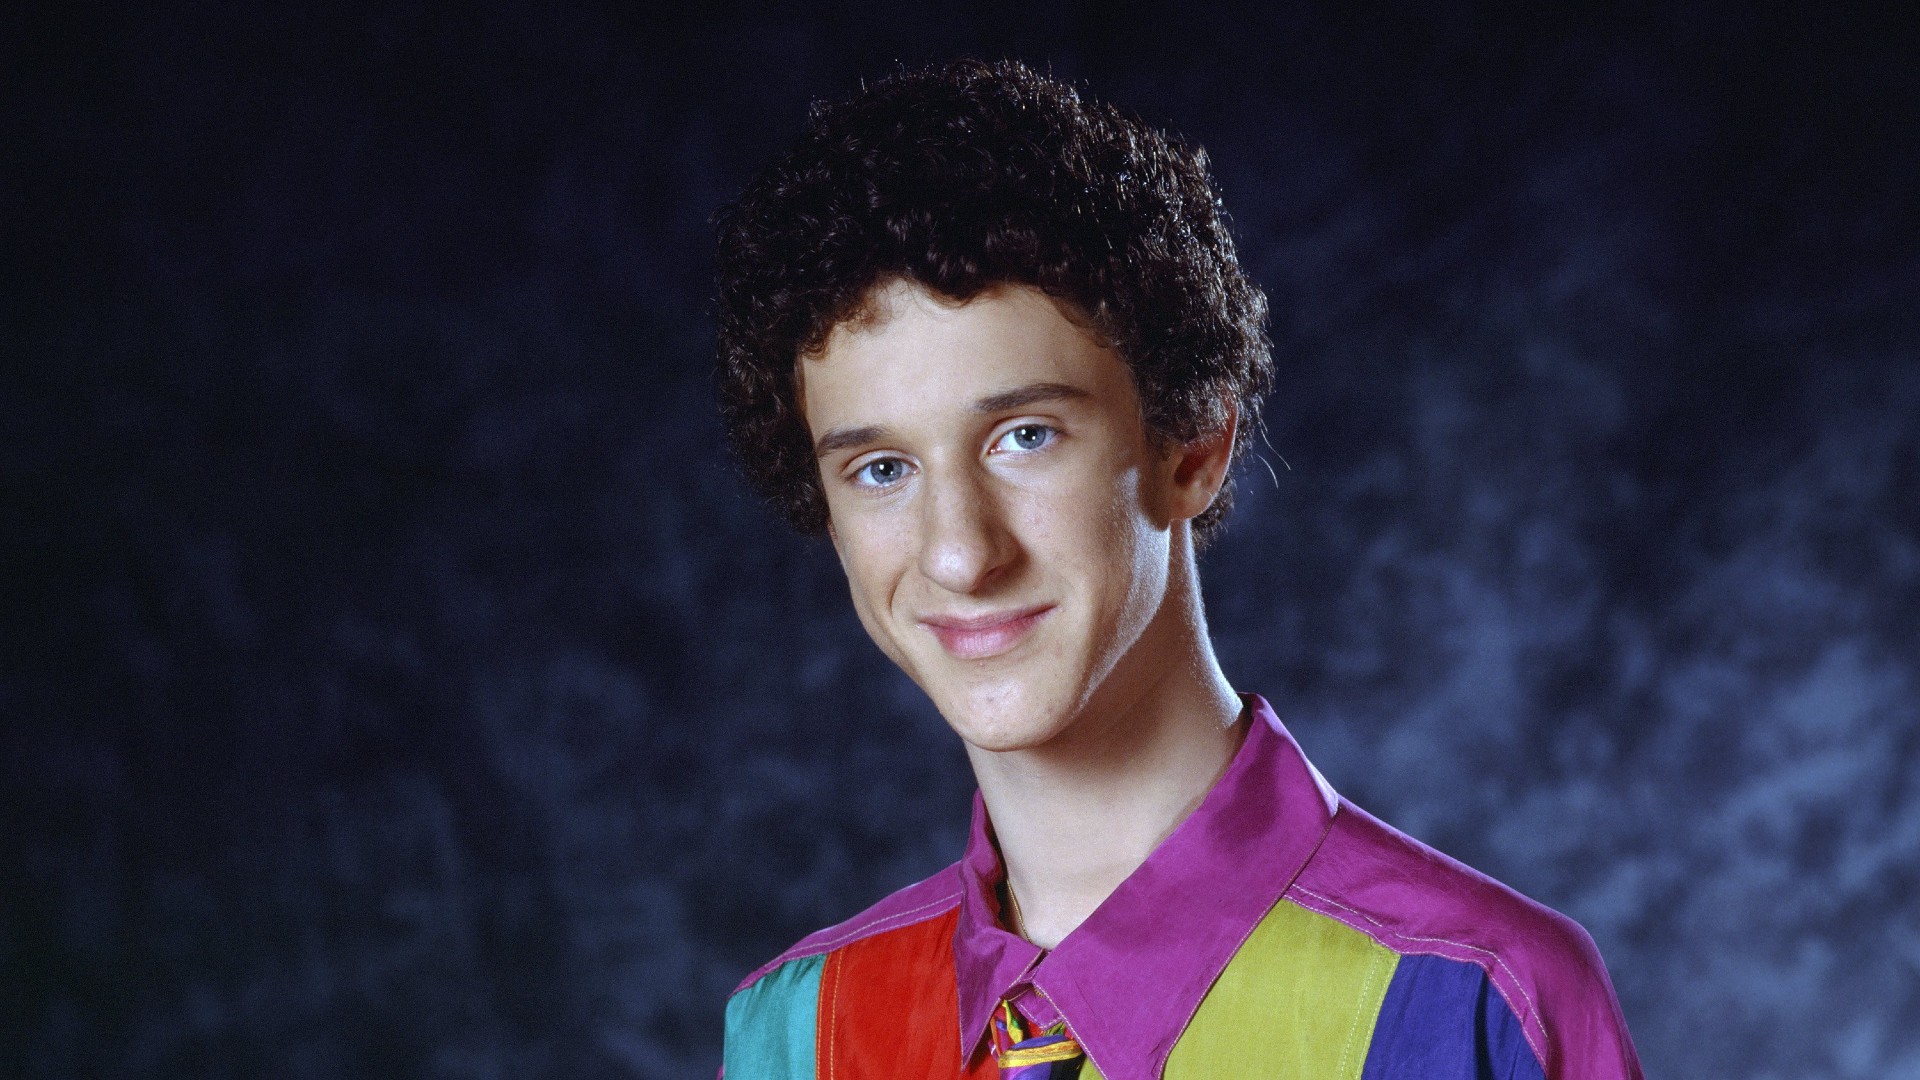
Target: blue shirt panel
x=1443, y=1019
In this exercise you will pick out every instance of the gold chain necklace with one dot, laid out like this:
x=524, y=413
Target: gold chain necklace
x=1013, y=908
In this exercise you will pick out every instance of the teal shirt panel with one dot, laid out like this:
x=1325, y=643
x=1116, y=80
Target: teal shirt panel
x=771, y=1025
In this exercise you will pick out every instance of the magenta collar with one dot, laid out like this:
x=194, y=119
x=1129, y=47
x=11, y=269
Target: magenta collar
x=1129, y=978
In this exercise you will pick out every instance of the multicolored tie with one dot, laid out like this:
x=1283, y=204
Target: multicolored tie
x=1050, y=1055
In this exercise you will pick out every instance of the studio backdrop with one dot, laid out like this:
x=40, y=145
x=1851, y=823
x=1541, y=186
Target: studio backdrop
x=399, y=681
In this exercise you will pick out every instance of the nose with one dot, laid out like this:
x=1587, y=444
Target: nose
x=965, y=543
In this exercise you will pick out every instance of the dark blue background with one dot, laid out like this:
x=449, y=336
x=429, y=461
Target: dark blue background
x=399, y=682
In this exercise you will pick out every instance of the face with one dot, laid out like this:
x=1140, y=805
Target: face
x=1005, y=523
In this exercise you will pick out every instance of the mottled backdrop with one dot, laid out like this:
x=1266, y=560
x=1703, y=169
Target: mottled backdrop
x=399, y=682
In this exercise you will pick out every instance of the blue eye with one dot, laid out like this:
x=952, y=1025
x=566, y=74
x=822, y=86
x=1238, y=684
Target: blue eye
x=1026, y=437
x=880, y=472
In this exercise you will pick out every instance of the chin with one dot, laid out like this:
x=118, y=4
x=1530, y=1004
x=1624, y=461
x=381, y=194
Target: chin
x=1004, y=720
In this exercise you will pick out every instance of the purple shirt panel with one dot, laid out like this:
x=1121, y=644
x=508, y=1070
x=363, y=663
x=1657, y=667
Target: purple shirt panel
x=1443, y=1020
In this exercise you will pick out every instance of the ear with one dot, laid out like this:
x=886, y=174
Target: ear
x=1199, y=468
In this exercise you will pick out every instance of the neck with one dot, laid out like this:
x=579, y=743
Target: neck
x=1076, y=816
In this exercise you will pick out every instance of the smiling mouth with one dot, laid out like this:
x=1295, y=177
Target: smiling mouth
x=984, y=636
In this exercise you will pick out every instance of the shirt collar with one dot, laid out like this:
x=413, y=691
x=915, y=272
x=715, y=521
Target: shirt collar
x=1128, y=978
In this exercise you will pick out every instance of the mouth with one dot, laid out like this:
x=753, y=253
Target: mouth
x=982, y=636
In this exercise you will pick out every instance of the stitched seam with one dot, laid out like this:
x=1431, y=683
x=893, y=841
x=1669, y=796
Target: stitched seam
x=830, y=975
x=1440, y=940
x=819, y=948
x=1084, y=1048
x=829, y=992
x=1513, y=1061
x=866, y=928
x=1241, y=944
x=828, y=946
x=1353, y=1029
x=1533, y=1011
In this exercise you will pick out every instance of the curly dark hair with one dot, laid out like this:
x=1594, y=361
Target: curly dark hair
x=961, y=177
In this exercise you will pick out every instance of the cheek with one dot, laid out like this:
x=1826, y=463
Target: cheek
x=1136, y=554
x=872, y=566
x=873, y=558
x=1122, y=519
x=1096, y=529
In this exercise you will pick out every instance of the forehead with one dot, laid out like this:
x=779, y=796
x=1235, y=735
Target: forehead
x=909, y=350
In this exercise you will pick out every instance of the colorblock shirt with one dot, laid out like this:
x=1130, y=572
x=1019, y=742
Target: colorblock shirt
x=1279, y=931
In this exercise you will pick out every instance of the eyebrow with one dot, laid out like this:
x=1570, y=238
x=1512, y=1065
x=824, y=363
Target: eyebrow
x=1017, y=398
x=847, y=438
x=1030, y=394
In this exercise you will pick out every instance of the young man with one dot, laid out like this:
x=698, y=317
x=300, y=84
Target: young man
x=994, y=341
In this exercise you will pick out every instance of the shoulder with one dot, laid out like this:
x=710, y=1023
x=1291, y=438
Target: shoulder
x=779, y=1018
x=1421, y=903
x=917, y=903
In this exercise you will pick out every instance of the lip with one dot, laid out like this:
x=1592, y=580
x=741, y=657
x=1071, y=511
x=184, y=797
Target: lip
x=977, y=637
